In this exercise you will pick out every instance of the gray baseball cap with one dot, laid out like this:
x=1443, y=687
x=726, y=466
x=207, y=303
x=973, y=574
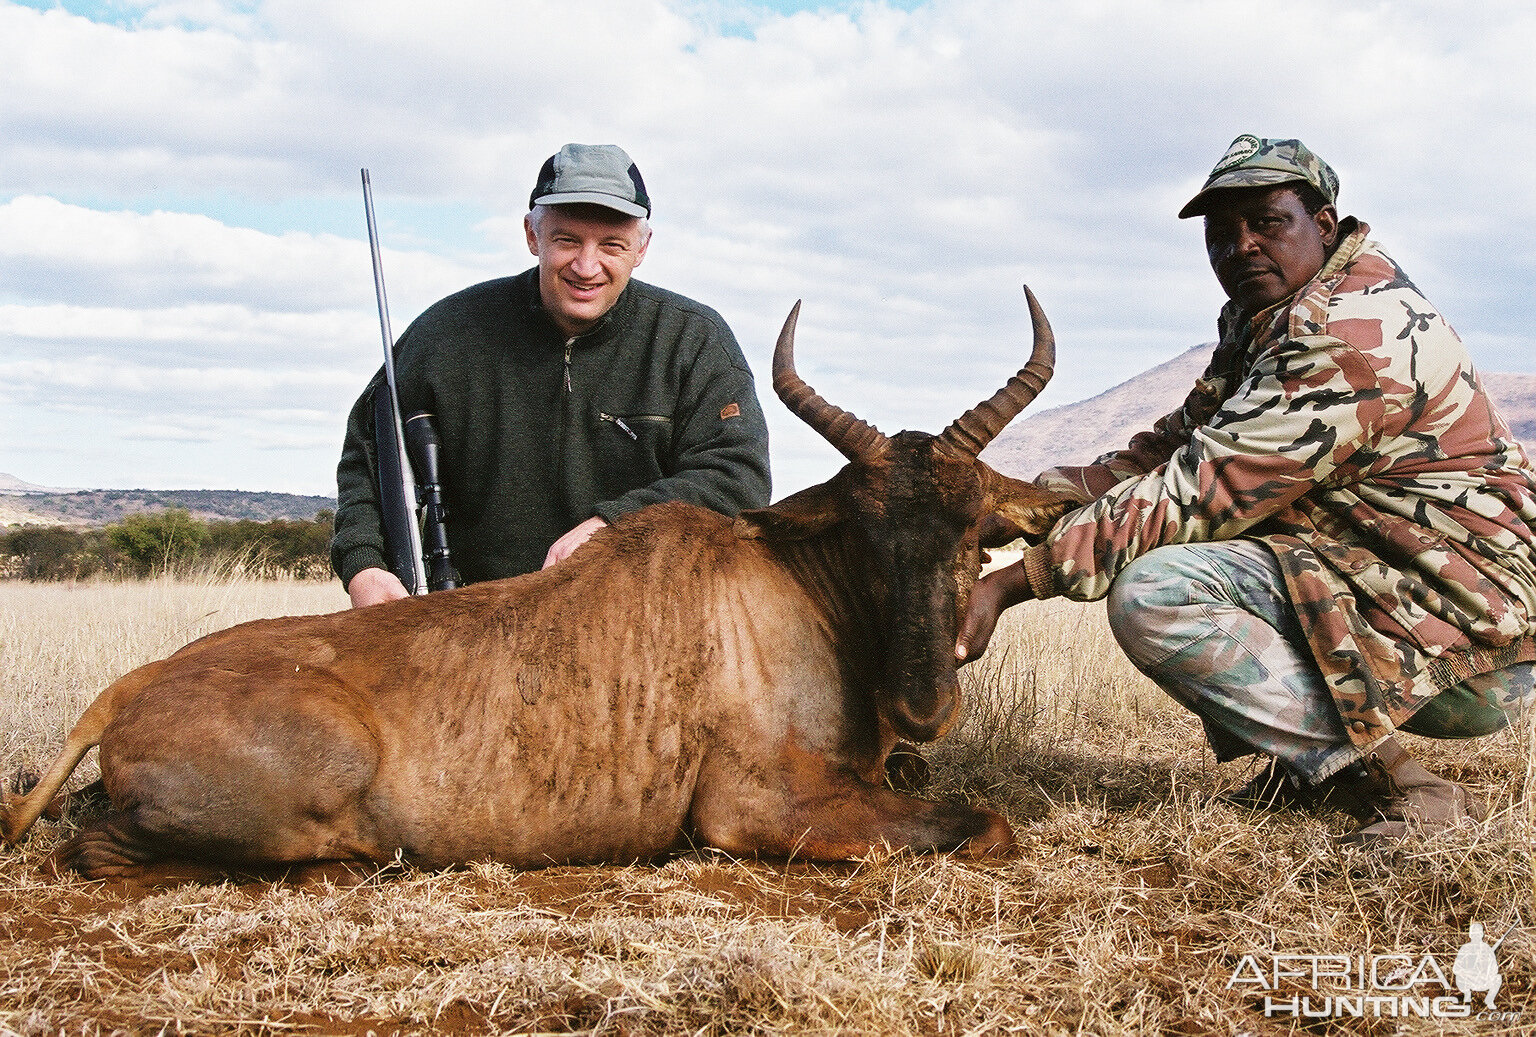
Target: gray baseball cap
x=1260, y=162
x=597, y=174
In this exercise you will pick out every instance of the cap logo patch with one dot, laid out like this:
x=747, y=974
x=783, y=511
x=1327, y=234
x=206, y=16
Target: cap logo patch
x=1242, y=149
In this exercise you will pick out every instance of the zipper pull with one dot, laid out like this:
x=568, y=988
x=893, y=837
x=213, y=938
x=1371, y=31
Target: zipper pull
x=620, y=422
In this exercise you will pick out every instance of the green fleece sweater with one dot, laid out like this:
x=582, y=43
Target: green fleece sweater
x=538, y=433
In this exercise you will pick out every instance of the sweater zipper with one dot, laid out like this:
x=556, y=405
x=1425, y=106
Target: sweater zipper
x=568, y=344
x=620, y=422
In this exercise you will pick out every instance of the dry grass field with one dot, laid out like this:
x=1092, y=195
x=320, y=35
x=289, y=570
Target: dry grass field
x=1133, y=900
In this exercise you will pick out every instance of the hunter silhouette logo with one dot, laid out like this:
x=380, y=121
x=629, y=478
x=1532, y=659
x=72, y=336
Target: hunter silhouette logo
x=1477, y=965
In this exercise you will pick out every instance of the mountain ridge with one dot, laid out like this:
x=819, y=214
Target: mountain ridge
x=27, y=503
x=1077, y=433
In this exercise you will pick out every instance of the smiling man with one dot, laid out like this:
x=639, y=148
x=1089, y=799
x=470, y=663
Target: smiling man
x=564, y=396
x=1332, y=539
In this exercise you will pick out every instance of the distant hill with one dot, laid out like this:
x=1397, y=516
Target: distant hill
x=11, y=484
x=1079, y=432
x=23, y=502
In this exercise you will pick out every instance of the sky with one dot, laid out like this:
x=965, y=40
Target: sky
x=186, y=298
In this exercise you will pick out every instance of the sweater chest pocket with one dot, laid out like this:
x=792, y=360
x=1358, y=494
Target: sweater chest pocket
x=633, y=444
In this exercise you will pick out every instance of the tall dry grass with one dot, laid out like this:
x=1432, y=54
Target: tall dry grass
x=61, y=643
x=1134, y=897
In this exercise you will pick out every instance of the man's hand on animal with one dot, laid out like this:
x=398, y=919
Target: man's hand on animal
x=995, y=592
x=561, y=549
x=373, y=586
x=1005, y=587
x=1001, y=589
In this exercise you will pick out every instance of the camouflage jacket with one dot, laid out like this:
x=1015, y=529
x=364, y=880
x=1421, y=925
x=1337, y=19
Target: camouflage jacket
x=1347, y=430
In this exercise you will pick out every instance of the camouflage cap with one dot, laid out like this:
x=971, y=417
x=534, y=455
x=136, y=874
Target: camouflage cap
x=596, y=174
x=1260, y=162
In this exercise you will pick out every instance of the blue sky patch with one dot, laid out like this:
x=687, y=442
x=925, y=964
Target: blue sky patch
x=108, y=12
x=406, y=224
x=740, y=19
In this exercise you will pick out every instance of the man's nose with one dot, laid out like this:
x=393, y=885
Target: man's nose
x=586, y=262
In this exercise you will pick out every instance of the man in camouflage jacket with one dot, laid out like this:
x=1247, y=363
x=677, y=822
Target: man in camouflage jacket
x=1333, y=537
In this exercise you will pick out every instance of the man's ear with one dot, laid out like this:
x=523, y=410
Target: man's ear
x=1327, y=220
x=798, y=516
x=645, y=243
x=996, y=531
x=532, y=233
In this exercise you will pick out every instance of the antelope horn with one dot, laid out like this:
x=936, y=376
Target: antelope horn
x=978, y=426
x=855, y=439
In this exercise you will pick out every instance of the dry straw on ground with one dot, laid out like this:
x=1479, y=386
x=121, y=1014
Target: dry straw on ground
x=1132, y=901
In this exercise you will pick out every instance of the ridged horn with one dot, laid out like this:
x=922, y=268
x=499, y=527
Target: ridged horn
x=854, y=438
x=978, y=426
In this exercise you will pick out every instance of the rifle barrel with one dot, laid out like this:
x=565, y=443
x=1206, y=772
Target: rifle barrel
x=416, y=580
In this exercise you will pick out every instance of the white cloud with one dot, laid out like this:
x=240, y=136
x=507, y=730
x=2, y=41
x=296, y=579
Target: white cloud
x=55, y=253
x=903, y=173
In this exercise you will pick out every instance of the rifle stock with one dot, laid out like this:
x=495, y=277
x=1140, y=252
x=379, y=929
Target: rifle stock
x=396, y=510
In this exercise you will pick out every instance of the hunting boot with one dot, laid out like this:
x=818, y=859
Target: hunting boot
x=1406, y=796
x=1274, y=788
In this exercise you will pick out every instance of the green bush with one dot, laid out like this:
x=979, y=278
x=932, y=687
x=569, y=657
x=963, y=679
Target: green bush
x=51, y=552
x=147, y=543
x=154, y=541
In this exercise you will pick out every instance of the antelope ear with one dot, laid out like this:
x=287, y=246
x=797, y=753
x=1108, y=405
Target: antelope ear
x=1027, y=509
x=996, y=531
x=798, y=516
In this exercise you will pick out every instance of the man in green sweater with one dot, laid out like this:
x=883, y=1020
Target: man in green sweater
x=564, y=397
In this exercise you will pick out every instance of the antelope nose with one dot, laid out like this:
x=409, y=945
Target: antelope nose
x=925, y=728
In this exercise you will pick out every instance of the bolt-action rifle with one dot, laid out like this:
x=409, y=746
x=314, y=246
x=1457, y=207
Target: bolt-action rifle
x=400, y=445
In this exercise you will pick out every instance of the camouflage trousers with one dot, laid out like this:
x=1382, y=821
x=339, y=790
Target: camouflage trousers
x=1212, y=626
